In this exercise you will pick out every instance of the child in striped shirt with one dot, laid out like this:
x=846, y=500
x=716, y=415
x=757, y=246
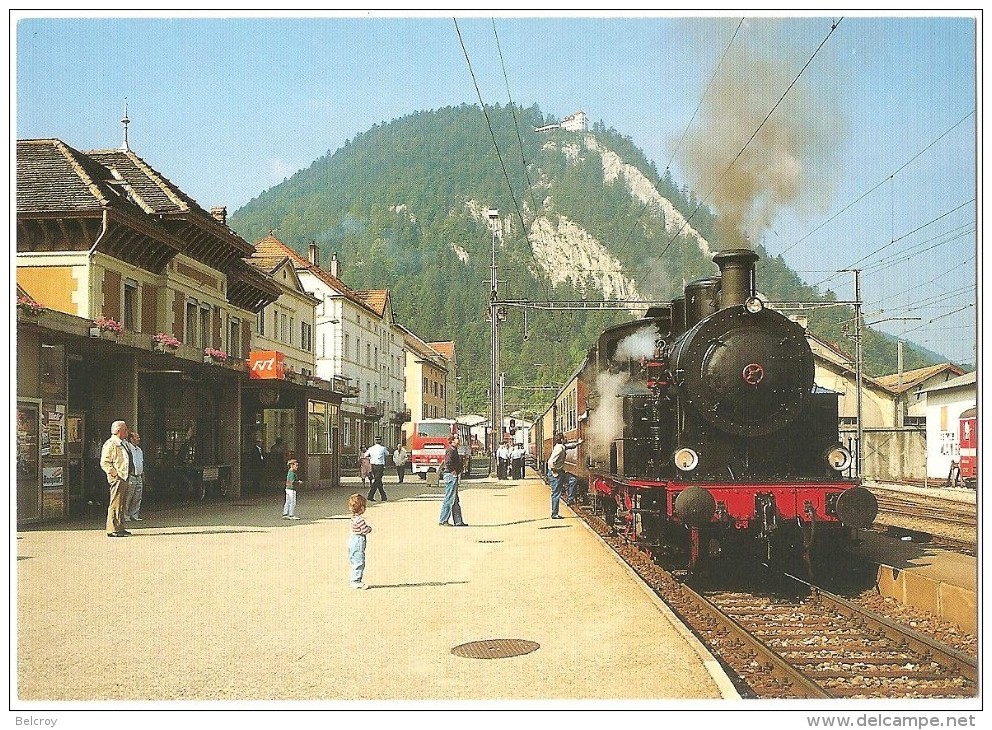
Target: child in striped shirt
x=356, y=543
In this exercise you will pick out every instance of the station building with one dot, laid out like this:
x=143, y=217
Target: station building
x=134, y=303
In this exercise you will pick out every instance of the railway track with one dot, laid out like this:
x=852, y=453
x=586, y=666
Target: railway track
x=928, y=517
x=792, y=640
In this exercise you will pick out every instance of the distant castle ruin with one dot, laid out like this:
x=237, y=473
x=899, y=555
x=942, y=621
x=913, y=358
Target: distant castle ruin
x=578, y=122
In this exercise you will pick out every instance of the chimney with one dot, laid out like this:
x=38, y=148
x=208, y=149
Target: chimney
x=314, y=254
x=219, y=214
x=335, y=266
x=737, y=274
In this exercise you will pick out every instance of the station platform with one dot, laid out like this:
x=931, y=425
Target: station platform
x=937, y=581
x=227, y=601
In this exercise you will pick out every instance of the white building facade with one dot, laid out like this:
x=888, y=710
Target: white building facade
x=945, y=404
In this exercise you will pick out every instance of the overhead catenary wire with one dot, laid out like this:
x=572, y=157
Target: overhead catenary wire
x=896, y=240
x=678, y=145
x=877, y=185
x=520, y=143
x=833, y=27
x=492, y=133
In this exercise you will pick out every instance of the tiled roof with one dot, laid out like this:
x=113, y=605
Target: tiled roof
x=912, y=378
x=375, y=299
x=445, y=348
x=151, y=190
x=54, y=177
x=270, y=247
x=267, y=264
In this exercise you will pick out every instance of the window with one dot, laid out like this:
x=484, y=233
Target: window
x=347, y=347
x=291, y=325
x=234, y=340
x=131, y=306
x=368, y=355
x=190, y=334
x=318, y=428
x=426, y=386
x=205, y=340
x=347, y=432
x=283, y=328
x=306, y=336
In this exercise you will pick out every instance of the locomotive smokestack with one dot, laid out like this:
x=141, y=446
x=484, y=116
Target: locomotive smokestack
x=737, y=275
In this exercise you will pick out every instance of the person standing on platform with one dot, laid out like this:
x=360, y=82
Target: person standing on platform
x=502, y=461
x=452, y=468
x=377, y=454
x=292, y=482
x=517, y=460
x=133, y=506
x=559, y=478
x=357, y=541
x=400, y=458
x=115, y=460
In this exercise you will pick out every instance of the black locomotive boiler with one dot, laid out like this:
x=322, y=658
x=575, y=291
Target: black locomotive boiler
x=704, y=434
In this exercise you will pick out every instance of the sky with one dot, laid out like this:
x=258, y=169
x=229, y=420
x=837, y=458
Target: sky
x=856, y=135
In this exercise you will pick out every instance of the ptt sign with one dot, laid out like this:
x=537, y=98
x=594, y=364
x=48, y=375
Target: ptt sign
x=266, y=365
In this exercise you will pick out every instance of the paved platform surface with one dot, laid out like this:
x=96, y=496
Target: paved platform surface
x=227, y=601
x=941, y=582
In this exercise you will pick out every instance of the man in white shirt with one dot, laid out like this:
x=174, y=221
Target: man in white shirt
x=502, y=461
x=560, y=479
x=377, y=454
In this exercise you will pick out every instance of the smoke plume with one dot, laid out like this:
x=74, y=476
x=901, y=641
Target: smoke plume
x=607, y=426
x=791, y=161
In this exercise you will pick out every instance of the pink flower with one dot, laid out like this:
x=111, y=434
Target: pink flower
x=109, y=325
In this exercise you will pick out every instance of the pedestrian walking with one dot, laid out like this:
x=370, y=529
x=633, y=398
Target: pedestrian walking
x=452, y=468
x=559, y=478
x=115, y=460
x=400, y=458
x=132, y=510
x=377, y=454
x=357, y=541
x=292, y=482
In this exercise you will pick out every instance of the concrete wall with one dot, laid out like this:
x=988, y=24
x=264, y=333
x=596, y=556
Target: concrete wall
x=892, y=454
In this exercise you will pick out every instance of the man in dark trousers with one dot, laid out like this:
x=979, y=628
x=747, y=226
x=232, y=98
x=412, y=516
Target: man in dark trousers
x=254, y=468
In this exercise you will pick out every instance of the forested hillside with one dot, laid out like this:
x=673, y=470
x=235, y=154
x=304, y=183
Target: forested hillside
x=585, y=216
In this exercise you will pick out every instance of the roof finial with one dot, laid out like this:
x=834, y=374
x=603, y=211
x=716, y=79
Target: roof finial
x=125, y=121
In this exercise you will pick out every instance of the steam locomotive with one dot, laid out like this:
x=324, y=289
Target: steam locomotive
x=703, y=434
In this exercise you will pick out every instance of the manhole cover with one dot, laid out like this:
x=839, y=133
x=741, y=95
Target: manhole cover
x=495, y=648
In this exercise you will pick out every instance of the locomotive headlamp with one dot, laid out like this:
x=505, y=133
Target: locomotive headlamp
x=838, y=458
x=754, y=305
x=686, y=459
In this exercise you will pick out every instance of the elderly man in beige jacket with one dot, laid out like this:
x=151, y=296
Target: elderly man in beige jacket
x=115, y=460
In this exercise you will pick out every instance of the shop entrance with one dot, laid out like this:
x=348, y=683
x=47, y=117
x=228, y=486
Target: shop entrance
x=279, y=440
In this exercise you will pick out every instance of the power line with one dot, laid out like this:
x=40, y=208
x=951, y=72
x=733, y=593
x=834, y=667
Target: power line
x=678, y=145
x=492, y=133
x=833, y=27
x=877, y=185
x=520, y=143
x=702, y=98
x=895, y=240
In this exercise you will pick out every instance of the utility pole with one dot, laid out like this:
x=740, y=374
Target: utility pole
x=858, y=368
x=495, y=401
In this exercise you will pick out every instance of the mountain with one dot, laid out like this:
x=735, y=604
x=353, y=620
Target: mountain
x=585, y=216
